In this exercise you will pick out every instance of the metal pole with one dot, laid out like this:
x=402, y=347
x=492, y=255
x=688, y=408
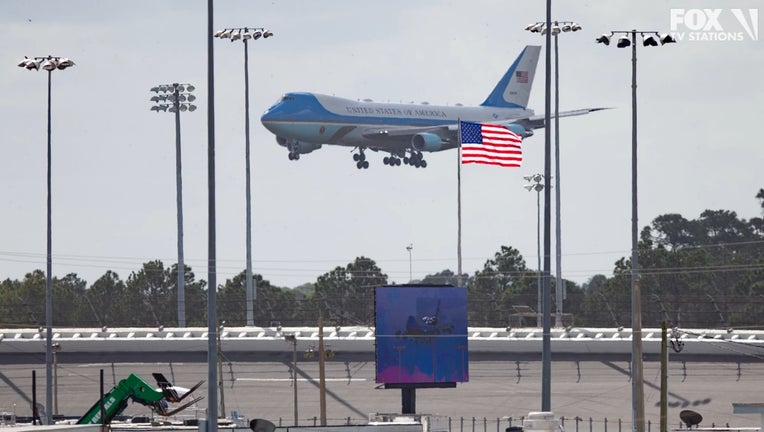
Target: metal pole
x=637, y=382
x=539, y=317
x=459, y=207
x=221, y=385
x=35, y=411
x=322, y=371
x=49, y=289
x=409, y=248
x=250, y=285
x=294, y=377
x=212, y=319
x=546, y=368
x=559, y=289
x=664, y=376
x=179, y=199
x=55, y=378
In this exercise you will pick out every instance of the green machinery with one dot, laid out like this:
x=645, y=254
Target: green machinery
x=138, y=390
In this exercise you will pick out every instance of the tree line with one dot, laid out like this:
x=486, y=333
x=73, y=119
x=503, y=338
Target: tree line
x=706, y=272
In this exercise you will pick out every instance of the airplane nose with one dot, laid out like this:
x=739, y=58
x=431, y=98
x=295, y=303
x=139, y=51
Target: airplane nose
x=269, y=121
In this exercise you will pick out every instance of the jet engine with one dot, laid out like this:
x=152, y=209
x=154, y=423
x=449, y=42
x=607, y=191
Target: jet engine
x=297, y=147
x=426, y=141
x=520, y=130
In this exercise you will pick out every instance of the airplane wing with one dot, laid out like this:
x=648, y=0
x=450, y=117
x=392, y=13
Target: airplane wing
x=397, y=132
x=537, y=121
x=418, y=138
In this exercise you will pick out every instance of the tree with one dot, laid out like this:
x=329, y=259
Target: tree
x=503, y=281
x=345, y=295
x=271, y=303
x=153, y=291
x=31, y=298
x=70, y=302
x=444, y=277
x=107, y=297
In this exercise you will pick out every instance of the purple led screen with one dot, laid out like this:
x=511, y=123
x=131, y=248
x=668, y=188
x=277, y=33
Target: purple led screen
x=421, y=334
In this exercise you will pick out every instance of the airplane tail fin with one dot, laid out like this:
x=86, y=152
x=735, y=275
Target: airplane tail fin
x=514, y=88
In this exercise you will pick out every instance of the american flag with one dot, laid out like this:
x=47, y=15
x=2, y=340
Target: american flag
x=490, y=144
x=522, y=77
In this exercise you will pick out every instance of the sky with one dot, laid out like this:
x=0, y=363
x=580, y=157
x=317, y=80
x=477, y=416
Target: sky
x=113, y=159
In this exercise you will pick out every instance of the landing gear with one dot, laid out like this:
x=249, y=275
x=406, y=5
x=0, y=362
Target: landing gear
x=391, y=160
x=360, y=158
x=415, y=159
x=294, y=153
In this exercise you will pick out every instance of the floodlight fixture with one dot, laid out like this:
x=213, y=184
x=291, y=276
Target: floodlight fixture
x=650, y=40
x=557, y=27
x=537, y=178
x=623, y=42
x=538, y=187
x=49, y=64
x=32, y=64
x=243, y=33
x=604, y=38
x=64, y=63
x=667, y=38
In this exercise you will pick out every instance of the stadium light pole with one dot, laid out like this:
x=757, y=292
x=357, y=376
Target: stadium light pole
x=537, y=185
x=49, y=64
x=409, y=248
x=212, y=317
x=629, y=38
x=244, y=34
x=546, y=332
x=175, y=98
x=292, y=338
x=557, y=28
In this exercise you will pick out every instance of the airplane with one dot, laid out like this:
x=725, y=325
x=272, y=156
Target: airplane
x=426, y=326
x=174, y=393
x=304, y=122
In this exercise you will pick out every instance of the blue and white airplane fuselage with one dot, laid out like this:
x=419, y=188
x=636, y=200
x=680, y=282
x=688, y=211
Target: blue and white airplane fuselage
x=303, y=122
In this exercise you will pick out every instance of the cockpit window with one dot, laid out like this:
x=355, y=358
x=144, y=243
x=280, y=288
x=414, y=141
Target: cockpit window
x=287, y=98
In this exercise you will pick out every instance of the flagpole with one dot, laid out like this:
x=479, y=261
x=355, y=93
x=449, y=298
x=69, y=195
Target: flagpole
x=459, y=204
